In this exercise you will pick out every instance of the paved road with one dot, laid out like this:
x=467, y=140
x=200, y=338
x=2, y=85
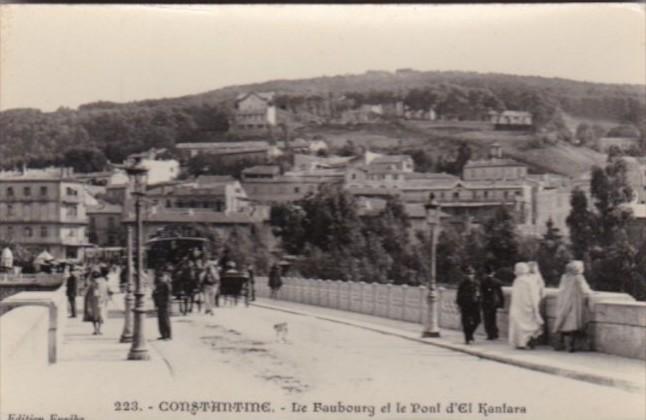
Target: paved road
x=327, y=362
x=234, y=356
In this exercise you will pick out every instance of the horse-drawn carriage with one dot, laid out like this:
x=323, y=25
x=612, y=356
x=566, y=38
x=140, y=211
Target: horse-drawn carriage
x=181, y=252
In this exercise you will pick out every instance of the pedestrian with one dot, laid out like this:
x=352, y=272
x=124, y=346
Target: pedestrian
x=535, y=273
x=99, y=294
x=525, y=321
x=251, y=283
x=275, y=281
x=571, y=305
x=492, y=300
x=162, y=297
x=210, y=284
x=188, y=284
x=71, y=290
x=468, y=300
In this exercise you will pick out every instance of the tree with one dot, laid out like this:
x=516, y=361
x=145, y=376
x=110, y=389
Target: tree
x=501, y=239
x=610, y=190
x=552, y=254
x=85, y=160
x=581, y=222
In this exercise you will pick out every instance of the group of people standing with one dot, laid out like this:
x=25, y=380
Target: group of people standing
x=527, y=305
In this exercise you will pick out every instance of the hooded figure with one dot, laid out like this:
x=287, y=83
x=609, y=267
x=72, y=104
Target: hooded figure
x=525, y=321
x=570, y=303
x=6, y=260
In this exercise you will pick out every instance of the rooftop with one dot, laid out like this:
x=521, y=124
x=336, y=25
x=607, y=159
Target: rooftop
x=46, y=174
x=492, y=163
x=225, y=145
x=262, y=170
x=266, y=96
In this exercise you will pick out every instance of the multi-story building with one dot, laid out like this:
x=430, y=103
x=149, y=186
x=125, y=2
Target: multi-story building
x=511, y=120
x=44, y=210
x=215, y=193
x=265, y=184
x=258, y=151
x=494, y=168
x=255, y=112
x=104, y=227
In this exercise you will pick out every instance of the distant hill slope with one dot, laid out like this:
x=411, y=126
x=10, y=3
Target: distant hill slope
x=115, y=130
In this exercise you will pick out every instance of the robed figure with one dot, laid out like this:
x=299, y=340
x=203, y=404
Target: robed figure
x=571, y=304
x=525, y=320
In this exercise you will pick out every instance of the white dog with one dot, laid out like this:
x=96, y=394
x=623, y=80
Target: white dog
x=281, y=332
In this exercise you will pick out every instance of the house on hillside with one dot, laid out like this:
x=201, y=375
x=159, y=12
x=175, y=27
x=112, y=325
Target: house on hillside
x=511, y=120
x=255, y=112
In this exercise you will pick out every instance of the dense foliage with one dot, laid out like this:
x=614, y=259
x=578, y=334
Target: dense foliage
x=600, y=235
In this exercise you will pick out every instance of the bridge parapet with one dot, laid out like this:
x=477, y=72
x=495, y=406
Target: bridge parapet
x=28, y=305
x=617, y=323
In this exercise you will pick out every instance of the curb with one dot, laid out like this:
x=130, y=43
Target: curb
x=483, y=354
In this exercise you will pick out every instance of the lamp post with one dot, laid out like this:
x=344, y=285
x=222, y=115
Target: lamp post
x=126, y=335
x=431, y=323
x=138, y=350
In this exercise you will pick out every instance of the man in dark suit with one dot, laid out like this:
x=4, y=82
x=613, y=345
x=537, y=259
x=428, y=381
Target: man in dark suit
x=492, y=299
x=71, y=290
x=162, y=297
x=468, y=300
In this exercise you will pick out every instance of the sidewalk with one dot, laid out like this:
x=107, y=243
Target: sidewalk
x=597, y=368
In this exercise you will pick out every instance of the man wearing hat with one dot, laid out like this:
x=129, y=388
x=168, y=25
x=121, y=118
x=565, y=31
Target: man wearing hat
x=71, y=289
x=468, y=300
x=492, y=300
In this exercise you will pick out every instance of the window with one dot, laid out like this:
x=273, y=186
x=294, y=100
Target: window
x=72, y=233
x=297, y=189
x=43, y=232
x=10, y=232
x=110, y=222
x=92, y=221
x=43, y=191
x=168, y=203
x=27, y=232
x=506, y=194
x=456, y=195
x=9, y=191
x=354, y=176
x=486, y=194
x=71, y=191
x=10, y=212
x=71, y=211
x=26, y=191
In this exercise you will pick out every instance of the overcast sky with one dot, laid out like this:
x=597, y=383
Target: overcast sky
x=66, y=55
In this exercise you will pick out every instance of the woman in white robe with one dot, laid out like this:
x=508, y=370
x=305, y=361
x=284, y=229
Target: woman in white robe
x=525, y=321
x=570, y=304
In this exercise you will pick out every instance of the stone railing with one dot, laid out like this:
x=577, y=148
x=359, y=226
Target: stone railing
x=10, y=284
x=617, y=322
x=32, y=327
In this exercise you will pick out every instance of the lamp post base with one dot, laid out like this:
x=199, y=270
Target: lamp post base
x=126, y=338
x=430, y=334
x=139, y=354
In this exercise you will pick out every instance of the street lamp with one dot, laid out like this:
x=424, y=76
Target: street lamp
x=431, y=323
x=138, y=351
x=126, y=335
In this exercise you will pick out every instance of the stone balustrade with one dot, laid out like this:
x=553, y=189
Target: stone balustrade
x=617, y=322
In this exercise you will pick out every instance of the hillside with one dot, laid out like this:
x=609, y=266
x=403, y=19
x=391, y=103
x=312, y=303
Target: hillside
x=111, y=130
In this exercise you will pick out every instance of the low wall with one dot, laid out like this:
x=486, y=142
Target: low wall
x=16, y=330
x=11, y=284
x=617, y=322
x=24, y=344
